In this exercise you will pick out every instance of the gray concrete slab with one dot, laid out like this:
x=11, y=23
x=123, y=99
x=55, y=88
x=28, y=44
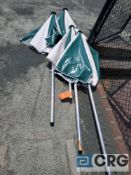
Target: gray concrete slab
x=30, y=145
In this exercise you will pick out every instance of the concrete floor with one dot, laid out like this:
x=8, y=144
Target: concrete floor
x=28, y=145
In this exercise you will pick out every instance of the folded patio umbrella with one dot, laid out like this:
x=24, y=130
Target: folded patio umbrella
x=65, y=21
x=79, y=64
x=45, y=37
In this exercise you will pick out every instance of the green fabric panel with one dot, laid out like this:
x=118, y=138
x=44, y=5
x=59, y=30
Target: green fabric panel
x=96, y=60
x=52, y=32
x=74, y=63
x=30, y=35
x=61, y=21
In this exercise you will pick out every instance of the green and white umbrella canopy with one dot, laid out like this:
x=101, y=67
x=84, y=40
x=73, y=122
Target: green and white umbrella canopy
x=65, y=21
x=45, y=37
x=79, y=62
x=59, y=48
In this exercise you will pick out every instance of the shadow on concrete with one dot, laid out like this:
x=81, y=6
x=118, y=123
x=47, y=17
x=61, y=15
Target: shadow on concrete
x=16, y=60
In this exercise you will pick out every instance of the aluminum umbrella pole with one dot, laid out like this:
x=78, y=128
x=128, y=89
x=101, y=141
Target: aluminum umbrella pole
x=52, y=96
x=78, y=119
x=98, y=126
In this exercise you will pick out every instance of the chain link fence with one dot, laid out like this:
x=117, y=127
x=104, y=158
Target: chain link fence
x=111, y=36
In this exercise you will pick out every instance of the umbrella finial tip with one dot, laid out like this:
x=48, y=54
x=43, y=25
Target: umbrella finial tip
x=71, y=26
x=80, y=31
x=65, y=8
x=53, y=13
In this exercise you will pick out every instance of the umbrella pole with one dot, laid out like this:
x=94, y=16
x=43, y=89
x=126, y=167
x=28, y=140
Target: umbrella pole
x=78, y=119
x=52, y=96
x=98, y=126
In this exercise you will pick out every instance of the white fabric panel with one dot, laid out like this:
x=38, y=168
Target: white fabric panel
x=39, y=42
x=48, y=50
x=68, y=21
x=94, y=78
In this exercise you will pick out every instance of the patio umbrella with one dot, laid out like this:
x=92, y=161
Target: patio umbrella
x=65, y=20
x=75, y=66
x=53, y=56
x=45, y=37
x=79, y=64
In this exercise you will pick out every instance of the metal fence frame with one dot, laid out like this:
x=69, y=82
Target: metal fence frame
x=115, y=59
